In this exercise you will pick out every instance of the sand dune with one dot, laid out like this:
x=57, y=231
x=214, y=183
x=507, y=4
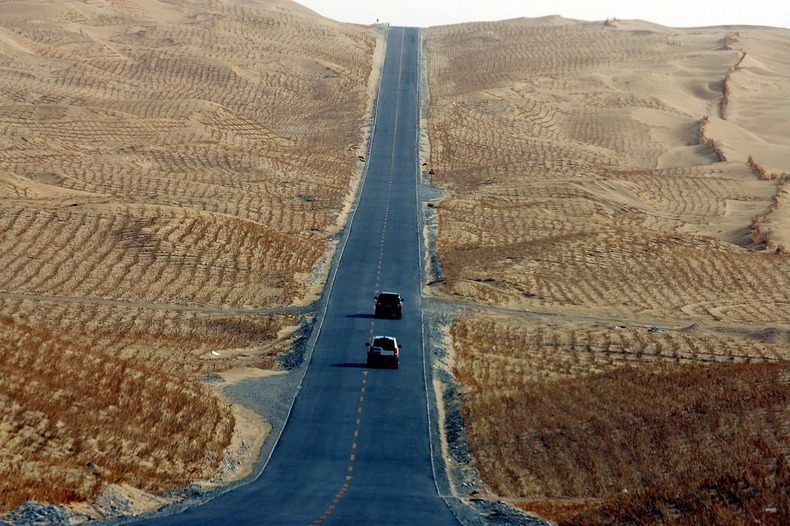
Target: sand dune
x=612, y=146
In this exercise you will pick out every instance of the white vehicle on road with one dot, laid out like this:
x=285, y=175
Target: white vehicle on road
x=383, y=349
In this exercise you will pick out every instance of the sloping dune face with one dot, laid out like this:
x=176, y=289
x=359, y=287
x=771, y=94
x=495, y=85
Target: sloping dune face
x=590, y=148
x=165, y=167
x=613, y=177
x=196, y=143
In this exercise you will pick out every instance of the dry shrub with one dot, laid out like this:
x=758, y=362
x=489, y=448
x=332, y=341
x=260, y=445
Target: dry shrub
x=725, y=100
x=74, y=419
x=750, y=494
x=761, y=228
x=173, y=341
x=653, y=431
x=729, y=39
x=761, y=170
x=500, y=357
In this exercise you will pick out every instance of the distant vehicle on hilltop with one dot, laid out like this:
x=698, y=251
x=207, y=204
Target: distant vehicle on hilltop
x=389, y=305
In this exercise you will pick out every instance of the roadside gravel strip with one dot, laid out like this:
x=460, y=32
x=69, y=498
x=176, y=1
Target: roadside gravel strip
x=457, y=480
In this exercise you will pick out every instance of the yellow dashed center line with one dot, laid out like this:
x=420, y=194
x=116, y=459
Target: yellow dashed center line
x=352, y=456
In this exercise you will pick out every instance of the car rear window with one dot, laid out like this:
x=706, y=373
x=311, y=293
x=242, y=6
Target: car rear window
x=384, y=343
x=389, y=298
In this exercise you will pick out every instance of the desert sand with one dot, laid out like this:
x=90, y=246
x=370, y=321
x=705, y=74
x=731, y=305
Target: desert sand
x=614, y=235
x=172, y=175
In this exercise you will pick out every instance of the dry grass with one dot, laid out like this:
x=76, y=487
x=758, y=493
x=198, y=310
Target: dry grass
x=166, y=169
x=75, y=419
x=584, y=183
x=504, y=354
x=763, y=231
x=178, y=342
x=581, y=414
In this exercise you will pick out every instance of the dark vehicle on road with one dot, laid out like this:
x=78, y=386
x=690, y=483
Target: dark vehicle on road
x=383, y=349
x=389, y=305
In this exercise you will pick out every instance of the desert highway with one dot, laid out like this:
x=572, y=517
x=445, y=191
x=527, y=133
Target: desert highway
x=355, y=449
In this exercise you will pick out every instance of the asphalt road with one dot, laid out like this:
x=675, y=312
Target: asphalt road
x=355, y=449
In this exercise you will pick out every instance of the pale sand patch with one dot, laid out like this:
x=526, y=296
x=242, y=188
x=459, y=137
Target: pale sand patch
x=739, y=143
x=250, y=431
x=758, y=92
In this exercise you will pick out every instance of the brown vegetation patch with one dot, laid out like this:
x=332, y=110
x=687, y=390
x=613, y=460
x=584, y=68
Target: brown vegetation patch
x=75, y=419
x=504, y=355
x=173, y=341
x=588, y=414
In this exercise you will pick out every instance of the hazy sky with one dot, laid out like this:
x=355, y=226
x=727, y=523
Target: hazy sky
x=673, y=13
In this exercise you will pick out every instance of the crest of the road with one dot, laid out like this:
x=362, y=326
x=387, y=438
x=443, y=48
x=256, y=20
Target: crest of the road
x=356, y=448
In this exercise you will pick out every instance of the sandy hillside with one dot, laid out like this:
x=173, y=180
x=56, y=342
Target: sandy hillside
x=169, y=173
x=602, y=179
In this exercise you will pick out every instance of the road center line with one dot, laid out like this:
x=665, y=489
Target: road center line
x=354, y=443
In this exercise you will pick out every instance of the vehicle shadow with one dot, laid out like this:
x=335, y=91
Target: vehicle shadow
x=360, y=365
x=367, y=316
